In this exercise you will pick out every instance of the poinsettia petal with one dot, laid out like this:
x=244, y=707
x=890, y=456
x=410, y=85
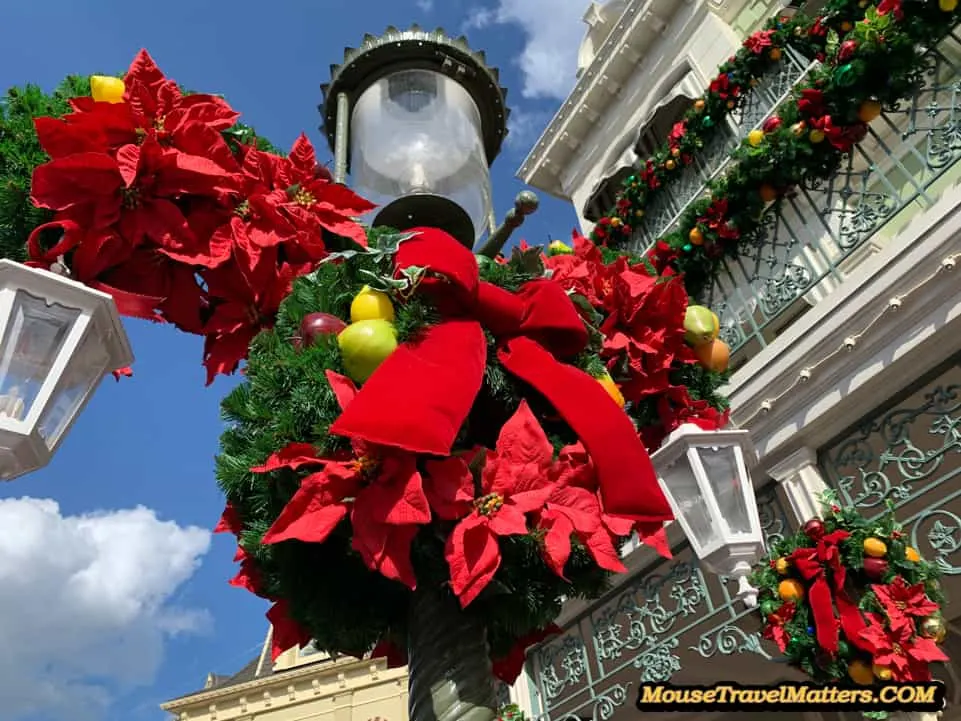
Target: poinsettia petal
x=528, y=501
x=655, y=536
x=287, y=633
x=307, y=517
x=386, y=549
x=508, y=520
x=293, y=456
x=247, y=577
x=60, y=139
x=579, y=505
x=343, y=387
x=211, y=111
x=601, y=547
x=338, y=225
x=340, y=199
x=229, y=521
x=925, y=649
x=80, y=178
x=473, y=557
x=396, y=496
x=449, y=485
x=302, y=155
x=557, y=541
x=522, y=457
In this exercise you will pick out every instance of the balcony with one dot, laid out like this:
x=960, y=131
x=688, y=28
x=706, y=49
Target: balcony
x=819, y=233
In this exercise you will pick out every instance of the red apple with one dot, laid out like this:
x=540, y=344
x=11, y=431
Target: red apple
x=875, y=568
x=314, y=325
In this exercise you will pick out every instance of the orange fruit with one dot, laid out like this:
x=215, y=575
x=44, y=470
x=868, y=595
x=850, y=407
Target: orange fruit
x=861, y=673
x=775, y=54
x=714, y=356
x=869, y=110
x=699, y=104
x=768, y=193
x=912, y=555
x=790, y=589
x=696, y=236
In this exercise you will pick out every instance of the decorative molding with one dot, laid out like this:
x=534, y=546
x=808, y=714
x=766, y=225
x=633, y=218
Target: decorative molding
x=801, y=479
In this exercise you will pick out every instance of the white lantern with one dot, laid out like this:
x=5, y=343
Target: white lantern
x=58, y=338
x=418, y=117
x=704, y=475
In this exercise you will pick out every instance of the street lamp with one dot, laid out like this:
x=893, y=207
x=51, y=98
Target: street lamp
x=417, y=118
x=58, y=338
x=704, y=475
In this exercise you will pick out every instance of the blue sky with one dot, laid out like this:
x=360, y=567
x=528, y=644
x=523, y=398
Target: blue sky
x=105, y=610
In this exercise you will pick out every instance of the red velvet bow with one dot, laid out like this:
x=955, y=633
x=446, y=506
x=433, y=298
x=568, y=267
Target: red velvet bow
x=817, y=564
x=420, y=396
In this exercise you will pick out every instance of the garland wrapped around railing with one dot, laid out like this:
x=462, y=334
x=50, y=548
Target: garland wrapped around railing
x=868, y=65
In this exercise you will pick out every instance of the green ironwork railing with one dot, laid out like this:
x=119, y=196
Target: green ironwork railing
x=817, y=234
x=648, y=628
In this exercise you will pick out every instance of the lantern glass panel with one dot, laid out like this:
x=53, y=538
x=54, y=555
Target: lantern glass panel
x=682, y=487
x=32, y=340
x=417, y=132
x=87, y=366
x=721, y=468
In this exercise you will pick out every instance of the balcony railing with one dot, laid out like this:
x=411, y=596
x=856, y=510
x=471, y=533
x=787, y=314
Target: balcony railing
x=822, y=230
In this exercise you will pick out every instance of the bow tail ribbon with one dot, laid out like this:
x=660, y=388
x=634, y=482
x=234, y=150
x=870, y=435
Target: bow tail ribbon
x=628, y=482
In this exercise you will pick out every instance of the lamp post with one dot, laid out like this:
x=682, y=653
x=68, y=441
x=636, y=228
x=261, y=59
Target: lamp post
x=58, y=339
x=705, y=476
x=417, y=118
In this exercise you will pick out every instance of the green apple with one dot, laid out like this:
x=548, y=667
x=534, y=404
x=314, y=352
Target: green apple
x=364, y=345
x=700, y=325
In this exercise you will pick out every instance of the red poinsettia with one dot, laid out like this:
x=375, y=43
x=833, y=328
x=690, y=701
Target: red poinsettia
x=513, y=484
x=644, y=333
x=842, y=137
x=379, y=487
x=724, y=88
x=774, y=628
x=507, y=668
x=676, y=407
x=678, y=131
x=244, y=297
x=812, y=103
x=716, y=219
x=903, y=603
x=759, y=41
x=575, y=468
x=285, y=632
x=582, y=272
x=900, y=649
x=649, y=175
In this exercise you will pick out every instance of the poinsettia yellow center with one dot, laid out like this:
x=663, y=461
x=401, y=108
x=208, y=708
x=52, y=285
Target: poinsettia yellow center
x=489, y=504
x=158, y=124
x=896, y=648
x=900, y=605
x=364, y=464
x=242, y=210
x=131, y=197
x=304, y=198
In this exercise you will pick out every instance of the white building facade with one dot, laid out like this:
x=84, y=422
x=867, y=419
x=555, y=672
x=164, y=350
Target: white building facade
x=845, y=326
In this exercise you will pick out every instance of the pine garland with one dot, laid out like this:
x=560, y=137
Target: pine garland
x=874, y=554
x=873, y=63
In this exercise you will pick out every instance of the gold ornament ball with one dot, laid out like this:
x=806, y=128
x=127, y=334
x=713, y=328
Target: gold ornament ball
x=699, y=105
x=861, y=673
x=948, y=6
x=676, y=152
x=638, y=213
x=933, y=627
x=882, y=672
x=875, y=548
x=669, y=164
x=869, y=111
x=782, y=566
x=616, y=222
x=696, y=237
x=755, y=137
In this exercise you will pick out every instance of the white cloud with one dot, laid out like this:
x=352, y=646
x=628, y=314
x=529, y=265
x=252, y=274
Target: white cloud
x=425, y=5
x=85, y=604
x=553, y=31
x=524, y=127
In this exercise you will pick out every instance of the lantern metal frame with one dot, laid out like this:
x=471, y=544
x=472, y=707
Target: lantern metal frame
x=94, y=319
x=414, y=49
x=726, y=553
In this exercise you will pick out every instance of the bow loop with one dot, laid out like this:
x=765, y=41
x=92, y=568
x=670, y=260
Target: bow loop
x=420, y=396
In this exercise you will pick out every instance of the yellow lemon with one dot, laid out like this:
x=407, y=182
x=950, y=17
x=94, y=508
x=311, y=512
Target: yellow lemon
x=371, y=304
x=755, y=137
x=105, y=89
